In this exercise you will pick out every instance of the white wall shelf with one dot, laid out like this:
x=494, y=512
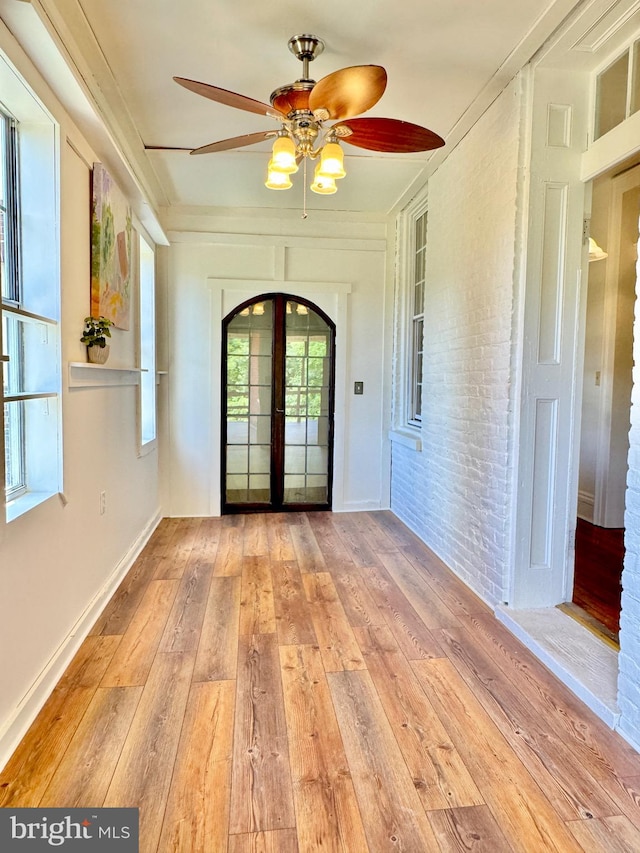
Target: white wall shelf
x=83, y=374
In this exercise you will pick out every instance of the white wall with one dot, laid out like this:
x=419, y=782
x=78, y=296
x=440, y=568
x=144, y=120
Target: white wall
x=56, y=561
x=455, y=492
x=217, y=262
x=629, y=658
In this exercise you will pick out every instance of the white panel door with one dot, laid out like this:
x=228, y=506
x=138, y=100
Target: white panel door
x=553, y=305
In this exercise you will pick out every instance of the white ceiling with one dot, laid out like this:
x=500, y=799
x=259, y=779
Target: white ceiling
x=445, y=62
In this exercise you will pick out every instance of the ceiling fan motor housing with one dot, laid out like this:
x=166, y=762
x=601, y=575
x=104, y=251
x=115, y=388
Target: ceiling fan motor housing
x=293, y=98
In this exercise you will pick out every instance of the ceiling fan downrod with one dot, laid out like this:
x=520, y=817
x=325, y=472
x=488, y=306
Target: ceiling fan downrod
x=306, y=47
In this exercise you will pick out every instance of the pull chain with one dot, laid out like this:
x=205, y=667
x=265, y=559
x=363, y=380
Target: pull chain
x=304, y=189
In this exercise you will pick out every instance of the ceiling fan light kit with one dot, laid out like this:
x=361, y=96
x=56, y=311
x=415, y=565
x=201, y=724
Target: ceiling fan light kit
x=303, y=107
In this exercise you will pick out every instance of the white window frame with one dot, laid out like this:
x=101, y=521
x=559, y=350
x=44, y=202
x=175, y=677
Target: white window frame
x=13, y=427
x=147, y=389
x=406, y=426
x=33, y=307
x=416, y=340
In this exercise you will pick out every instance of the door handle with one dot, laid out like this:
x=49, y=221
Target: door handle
x=280, y=411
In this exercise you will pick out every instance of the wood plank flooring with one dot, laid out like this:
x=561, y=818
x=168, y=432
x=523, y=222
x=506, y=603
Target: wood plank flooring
x=304, y=682
x=599, y=557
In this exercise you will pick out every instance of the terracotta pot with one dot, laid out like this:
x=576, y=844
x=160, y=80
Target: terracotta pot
x=98, y=355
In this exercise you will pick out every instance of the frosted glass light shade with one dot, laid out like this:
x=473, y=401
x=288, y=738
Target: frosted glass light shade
x=277, y=180
x=323, y=185
x=283, y=155
x=332, y=161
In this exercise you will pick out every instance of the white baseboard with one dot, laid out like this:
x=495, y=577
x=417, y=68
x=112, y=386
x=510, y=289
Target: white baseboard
x=630, y=739
x=585, y=506
x=32, y=702
x=357, y=506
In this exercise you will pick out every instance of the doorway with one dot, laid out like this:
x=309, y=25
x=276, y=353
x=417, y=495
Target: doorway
x=599, y=544
x=277, y=406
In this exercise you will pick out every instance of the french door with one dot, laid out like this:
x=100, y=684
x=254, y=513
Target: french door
x=277, y=408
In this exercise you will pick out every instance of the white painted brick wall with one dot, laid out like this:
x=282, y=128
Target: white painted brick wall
x=629, y=658
x=456, y=493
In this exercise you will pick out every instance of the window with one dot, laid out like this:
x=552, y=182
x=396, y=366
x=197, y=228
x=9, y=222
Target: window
x=29, y=273
x=611, y=96
x=411, y=272
x=147, y=345
x=617, y=91
x=417, y=321
x=15, y=478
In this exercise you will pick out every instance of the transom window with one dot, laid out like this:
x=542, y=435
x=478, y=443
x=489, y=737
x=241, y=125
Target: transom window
x=617, y=91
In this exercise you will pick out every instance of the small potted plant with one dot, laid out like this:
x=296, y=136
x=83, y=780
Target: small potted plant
x=96, y=332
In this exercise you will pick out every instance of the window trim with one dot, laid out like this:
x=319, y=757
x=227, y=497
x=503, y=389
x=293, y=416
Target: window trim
x=12, y=208
x=415, y=346
x=10, y=304
x=405, y=430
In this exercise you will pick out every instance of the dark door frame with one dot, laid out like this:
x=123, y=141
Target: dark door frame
x=278, y=388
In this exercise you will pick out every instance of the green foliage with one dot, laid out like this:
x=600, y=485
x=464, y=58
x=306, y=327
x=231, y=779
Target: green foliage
x=95, y=244
x=108, y=237
x=238, y=378
x=96, y=331
x=305, y=377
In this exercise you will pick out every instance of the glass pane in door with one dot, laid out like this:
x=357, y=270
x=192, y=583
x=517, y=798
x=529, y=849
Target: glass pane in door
x=307, y=406
x=248, y=386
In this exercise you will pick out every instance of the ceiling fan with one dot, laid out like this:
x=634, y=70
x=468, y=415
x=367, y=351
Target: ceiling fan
x=303, y=107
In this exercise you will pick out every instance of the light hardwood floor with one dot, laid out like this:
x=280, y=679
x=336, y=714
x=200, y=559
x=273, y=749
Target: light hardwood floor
x=320, y=682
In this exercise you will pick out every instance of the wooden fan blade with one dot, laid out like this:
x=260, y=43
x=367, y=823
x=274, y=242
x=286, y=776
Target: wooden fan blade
x=388, y=134
x=348, y=92
x=235, y=142
x=231, y=99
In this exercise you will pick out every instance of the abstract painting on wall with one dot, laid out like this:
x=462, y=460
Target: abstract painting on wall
x=110, y=250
